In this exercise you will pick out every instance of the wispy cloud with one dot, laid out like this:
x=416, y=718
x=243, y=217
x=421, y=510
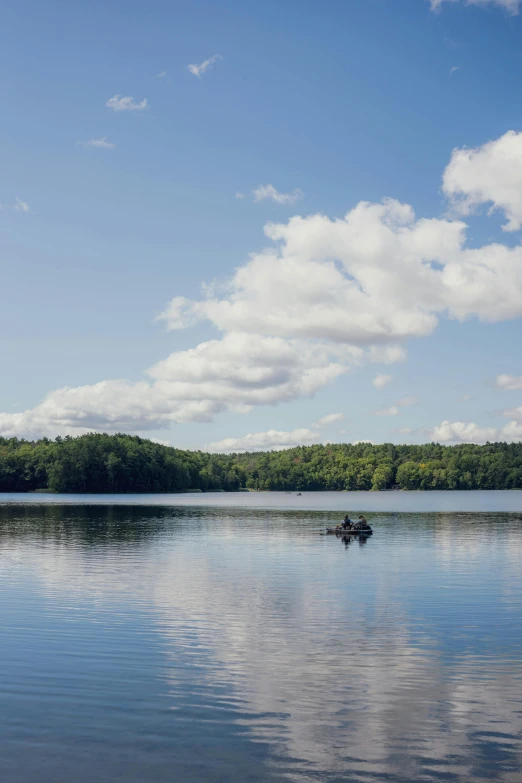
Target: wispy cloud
x=405, y=402
x=199, y=70
x=240, y=195
x=392, y=410
x=453, y=69
x=380, y=381
x=269, y=192
x=330, y=418
x=21, y=206
x=510, y=382
x=161, y=75
x=98, y=143
x=511, y=6
x=395, y=409
x=126, y=103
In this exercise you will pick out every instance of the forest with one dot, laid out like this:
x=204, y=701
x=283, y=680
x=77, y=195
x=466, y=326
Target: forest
x=125, y=463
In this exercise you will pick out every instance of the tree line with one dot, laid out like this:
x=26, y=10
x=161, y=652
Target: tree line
x=125, y=463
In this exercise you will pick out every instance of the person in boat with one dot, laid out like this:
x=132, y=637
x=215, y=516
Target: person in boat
x=363, y=522
x=347, y=523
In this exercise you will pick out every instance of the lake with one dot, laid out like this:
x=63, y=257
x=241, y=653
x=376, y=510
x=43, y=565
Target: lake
x=184, y=638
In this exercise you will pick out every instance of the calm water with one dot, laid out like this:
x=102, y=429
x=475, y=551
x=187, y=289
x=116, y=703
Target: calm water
x=484, y=500
x=152, y=643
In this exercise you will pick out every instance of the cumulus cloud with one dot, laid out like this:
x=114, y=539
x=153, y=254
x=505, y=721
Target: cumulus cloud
x=99, y=143
x=490, y=174
x=272, y=440
x=511, y=382
x=512, y=431
x=199, y=70
x=380, y=381
x=462, y=432
x=330, y=418
x=264, y=192
x=376, y=276
x=511, y=6
x=126, y=103
x=323, y=296
x=469, y=432
x=232, y=374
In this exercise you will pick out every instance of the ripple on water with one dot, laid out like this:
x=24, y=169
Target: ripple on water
x=240, y=645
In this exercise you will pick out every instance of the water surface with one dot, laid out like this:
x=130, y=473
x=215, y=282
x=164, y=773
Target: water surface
x=440, y=500
x=156, y=643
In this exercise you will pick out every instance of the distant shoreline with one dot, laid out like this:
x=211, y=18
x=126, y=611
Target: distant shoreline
x=125, y=464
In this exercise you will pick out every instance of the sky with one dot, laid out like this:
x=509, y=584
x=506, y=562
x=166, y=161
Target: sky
x=242, y=226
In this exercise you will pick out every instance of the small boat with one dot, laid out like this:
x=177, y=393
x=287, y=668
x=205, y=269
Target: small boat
x=337, y=531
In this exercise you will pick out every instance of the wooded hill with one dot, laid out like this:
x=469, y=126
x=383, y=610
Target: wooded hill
x=125, y=463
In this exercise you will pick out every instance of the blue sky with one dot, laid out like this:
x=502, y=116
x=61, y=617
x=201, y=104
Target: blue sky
x=108, y=215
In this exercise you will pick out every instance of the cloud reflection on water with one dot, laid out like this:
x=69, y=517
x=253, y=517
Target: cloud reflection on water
x=337, y=660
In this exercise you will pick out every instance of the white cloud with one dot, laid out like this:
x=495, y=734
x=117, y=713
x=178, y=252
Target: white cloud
x=330, y=418
x=454, y=69
x=469, y=432
x=231, y=374
x=161, y=75
x=512, y=431
x=511, y=6
x=272, y=440
x=323, y=296
x=99, y=143
x=511, y=382
x=376, y=276
x=380, y=381
x=490, y=174
x=269, y=192
x=199, y=70
x=21, y=206
x=240, y=195
x=161, y=441
x=126, y=103
x=462, y=432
